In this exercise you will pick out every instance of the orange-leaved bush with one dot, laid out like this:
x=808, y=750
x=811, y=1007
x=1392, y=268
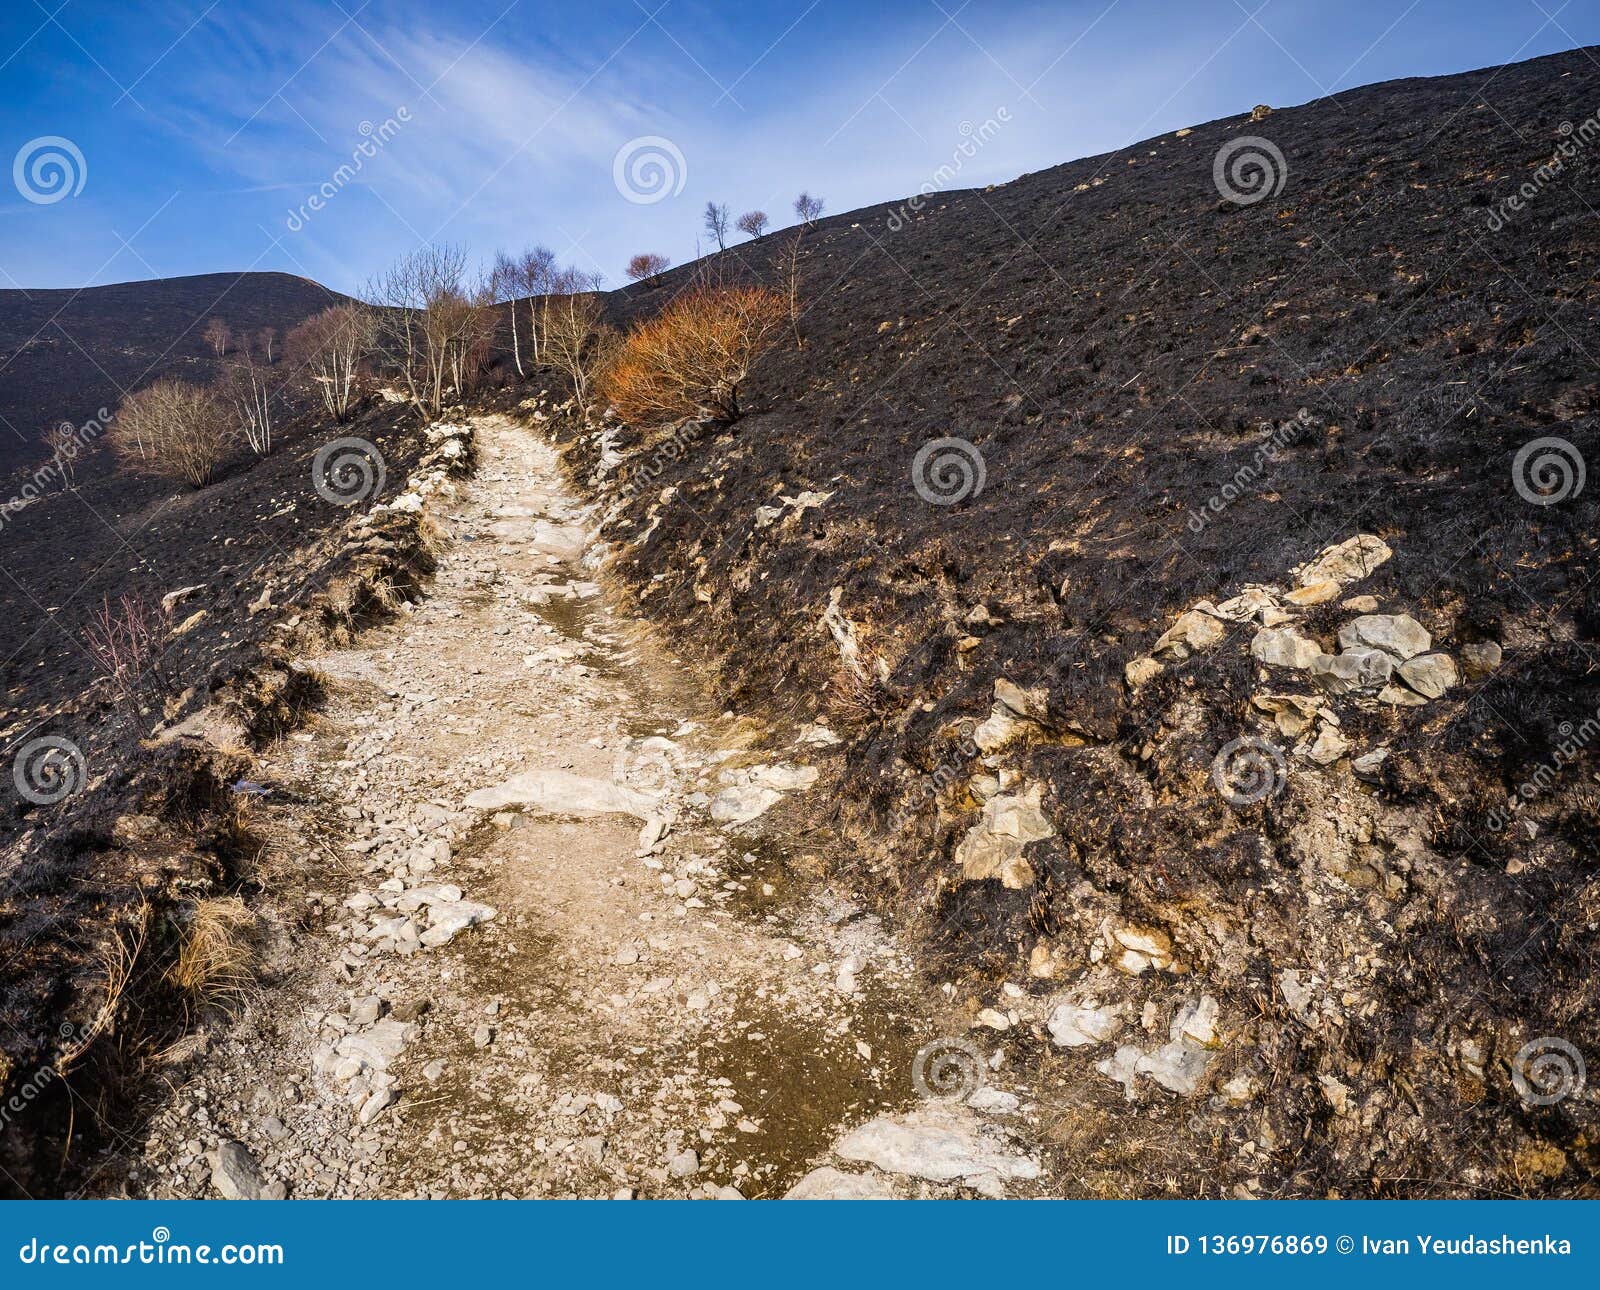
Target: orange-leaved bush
x=692, y=357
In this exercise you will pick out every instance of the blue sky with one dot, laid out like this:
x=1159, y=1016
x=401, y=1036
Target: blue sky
x=204, y=128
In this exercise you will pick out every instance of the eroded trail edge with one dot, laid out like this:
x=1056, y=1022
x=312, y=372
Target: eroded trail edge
x=531, y=931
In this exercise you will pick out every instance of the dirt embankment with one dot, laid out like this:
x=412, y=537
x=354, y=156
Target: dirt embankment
x=130, y=799
x=1207, y=586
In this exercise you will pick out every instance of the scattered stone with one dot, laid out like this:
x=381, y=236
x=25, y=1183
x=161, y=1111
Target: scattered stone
x=1398, y=635
x=1194, y=632
x=376, y=1104
x=1430, y=674
x=1284, y=647
x=939, y=1141
x=994, y=1101
x=1352, y=670
x=741, y=803
x=1480, y=658
x=1369, y=765
x=1401, y=696
x=685, y=1164
x=993, y=847
x=234, y=1172
x=1142, y=948
x=1074, y=1025
x=1345, y=562
x=828, y=1183
x=1328, y=746
x=1315, y=593
x=1141, y=671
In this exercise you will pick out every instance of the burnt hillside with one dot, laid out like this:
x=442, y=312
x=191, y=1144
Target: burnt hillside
x=1170, y=397
x=66, y=354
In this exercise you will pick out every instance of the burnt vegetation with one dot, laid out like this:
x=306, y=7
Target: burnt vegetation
x=1118, y=340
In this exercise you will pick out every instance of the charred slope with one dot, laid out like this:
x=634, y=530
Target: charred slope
x=66, y=354
x=122, y=801
x=1170, y=397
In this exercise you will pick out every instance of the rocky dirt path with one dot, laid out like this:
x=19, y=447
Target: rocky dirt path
x=531, y=933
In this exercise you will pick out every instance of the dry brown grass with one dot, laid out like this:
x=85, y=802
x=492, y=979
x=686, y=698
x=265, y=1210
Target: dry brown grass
x=691, y=358
x=118, y=956
x=214, y=963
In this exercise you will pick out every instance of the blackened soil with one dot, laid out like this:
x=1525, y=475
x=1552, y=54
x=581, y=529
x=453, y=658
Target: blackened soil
x=1118, y=341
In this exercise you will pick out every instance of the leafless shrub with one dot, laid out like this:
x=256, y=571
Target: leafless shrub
x=575, y=342
x=512, y=278
x=173, y=429
x=753, y=223
x=692, y=357
x=127, y=641
x=646, y=265
x=65, y=445
x=716, y=221
x=433, y=328
x=789, y=282
x=808, y=208
x=329, y=347
x=218, y=335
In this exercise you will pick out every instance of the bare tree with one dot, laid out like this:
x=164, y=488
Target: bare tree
x=174, y=429
x=716, y=220
x=218, y=335
x=329, y=348
x=65, y=444
x=788, y=265
x=646, y=265
x=540, y=277
x=808, y=208
x=243, y=384
x=508, y=283
x=576, y=342
x=267, y=337
x=753, y=222
x=432, y=326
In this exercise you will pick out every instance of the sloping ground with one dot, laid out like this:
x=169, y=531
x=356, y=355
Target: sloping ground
x=120, y=808
x=1402, y=968
x=64, y=355
x=485, y=980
